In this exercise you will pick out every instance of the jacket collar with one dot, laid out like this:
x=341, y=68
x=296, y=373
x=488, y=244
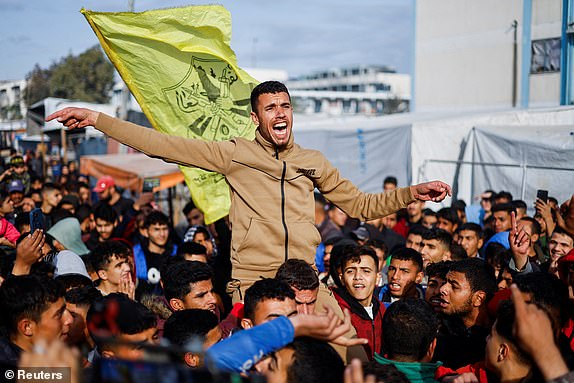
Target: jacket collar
x=271, y=148
x=356, y=307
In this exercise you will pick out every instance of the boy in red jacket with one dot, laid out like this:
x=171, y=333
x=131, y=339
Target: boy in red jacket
x=359, y=276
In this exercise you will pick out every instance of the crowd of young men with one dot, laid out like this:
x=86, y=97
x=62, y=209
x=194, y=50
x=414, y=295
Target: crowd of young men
x=415, y=295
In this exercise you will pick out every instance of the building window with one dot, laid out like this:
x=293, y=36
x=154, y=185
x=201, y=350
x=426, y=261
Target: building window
x=545, y=56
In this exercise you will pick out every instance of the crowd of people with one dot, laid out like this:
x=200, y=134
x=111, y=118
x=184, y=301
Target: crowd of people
x=379, y=289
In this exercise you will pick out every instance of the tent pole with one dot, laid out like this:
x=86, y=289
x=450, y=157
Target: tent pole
x=170, y=202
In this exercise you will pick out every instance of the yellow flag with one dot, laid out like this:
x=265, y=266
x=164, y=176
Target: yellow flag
x=179, y=66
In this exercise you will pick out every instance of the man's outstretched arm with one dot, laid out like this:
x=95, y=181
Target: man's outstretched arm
x=365, y=206
x=213, y=156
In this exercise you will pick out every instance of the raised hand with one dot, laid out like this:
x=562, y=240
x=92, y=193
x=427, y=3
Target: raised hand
x=519, y=243
x=28, y=252
x=533, y=331
x=434, y=191
x=326, y=326
x=75, y=118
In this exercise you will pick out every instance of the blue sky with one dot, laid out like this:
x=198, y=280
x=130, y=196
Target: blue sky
x=297, y=36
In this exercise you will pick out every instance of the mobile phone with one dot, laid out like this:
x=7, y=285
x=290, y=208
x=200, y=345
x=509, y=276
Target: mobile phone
x=37, y=220
x=149, y=184
x=542, y=195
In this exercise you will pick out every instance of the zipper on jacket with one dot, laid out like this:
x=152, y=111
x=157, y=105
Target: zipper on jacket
x=283, y=211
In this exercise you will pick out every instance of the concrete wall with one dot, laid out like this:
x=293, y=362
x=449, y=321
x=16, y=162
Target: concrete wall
x=464, y=53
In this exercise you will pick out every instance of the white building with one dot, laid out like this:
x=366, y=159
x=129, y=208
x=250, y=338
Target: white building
x=354, y=90
x=12, y=105
x=493, y=54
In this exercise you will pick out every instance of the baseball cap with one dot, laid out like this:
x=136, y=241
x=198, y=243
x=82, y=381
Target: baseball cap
x=104, y=183
x=15, y=186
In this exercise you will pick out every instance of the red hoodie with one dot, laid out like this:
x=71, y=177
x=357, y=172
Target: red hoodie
x=371, y=329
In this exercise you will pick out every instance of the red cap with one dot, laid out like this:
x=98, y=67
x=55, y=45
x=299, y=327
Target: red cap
x=104, y=183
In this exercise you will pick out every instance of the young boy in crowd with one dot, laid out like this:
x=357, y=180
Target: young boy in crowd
x=32, y=308
x=106, y=220
x=404, y=275
x=110, y=261
x=359, y=276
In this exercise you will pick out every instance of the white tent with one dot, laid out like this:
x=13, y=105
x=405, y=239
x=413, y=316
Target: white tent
x=517, y=150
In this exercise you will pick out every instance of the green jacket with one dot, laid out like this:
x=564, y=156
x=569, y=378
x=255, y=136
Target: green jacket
x=415, y=372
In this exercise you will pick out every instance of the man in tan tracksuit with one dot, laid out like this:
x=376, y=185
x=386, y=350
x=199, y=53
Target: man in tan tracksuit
x=271, y=180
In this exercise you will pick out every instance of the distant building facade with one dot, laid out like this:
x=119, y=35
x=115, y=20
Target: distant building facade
x=371, y=90
x=12, y=105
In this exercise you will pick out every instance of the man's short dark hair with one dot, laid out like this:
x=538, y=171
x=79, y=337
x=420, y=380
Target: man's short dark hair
x=50, y=186
x=428, y=213
x=27, y=296
x=507, y=207
x=458, y=204
x=178, y=278
x=442, y=236
x=105, y=252
x=503, y=194
x=519, y=204
x=439, y=269
x=298, y=274
x=471, y=226
x=390, y=180
x=536, y=229
x=449, y=214
x=377, y=244
x=105, y=212
x=155, y=217
x=410, y=327
x=548, y=292
x=355, y=256
x=314, y=361
x=191, y=248
x=116, y=314
x=406, y=254
x=83, y=296
x=496, y=254
x=262, y=290
x=559, y=230
x=478, y=273
x=266, y=87
x=457, y=252
x=83, y=211
x=505, y=317
x=188, y=208
x=417, y=230
x=183, y=325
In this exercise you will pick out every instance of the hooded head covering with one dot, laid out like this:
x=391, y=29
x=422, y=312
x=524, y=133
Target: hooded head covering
x=193, y=230
x=69, y=263
x=69, y=234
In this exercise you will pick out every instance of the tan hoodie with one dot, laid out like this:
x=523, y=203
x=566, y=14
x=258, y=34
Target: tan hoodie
x=272, y=205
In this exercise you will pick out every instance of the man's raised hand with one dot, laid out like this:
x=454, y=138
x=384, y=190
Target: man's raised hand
x=434, y=191
x=326, y=326
x=75, y=118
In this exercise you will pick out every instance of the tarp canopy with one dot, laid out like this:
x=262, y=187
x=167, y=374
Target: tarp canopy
x=129, y=170
x=525, y=149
